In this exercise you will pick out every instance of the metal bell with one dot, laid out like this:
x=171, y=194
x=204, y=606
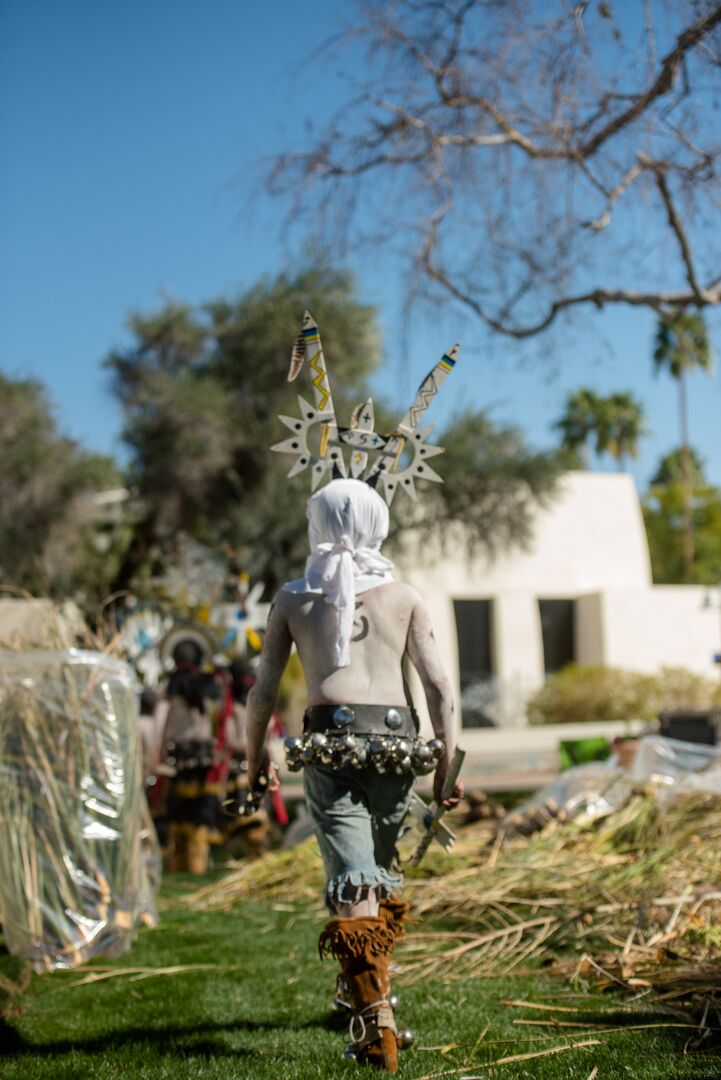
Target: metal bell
x=318, y=740
x=421, y=754
x=394, y=1001
x=360, y=758
x=405, y=1038
x=343, y=716
x=405, y=764
x=437, y=748
x=294, y=765
x=405, y=746
x=293, y=751
x=377, y=747
x=393, y=720
x=350, y=1053
x=326, y=757
x=308, y=754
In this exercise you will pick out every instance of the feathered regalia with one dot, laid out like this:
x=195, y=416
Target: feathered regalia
x=372, y=457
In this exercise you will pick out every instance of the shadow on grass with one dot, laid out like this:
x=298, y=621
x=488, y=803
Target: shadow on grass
x=660, y=1015
x=706, y=1038
x=172, y=1041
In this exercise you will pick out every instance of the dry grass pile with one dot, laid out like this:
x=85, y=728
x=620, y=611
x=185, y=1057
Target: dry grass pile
x=292, y=875
x=642, y=886
x=632, y=902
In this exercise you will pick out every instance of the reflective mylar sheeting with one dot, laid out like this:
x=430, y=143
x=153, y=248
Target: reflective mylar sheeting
x=78, y=853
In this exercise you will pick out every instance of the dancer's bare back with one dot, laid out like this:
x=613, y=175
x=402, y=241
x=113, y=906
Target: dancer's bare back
x=391, y=622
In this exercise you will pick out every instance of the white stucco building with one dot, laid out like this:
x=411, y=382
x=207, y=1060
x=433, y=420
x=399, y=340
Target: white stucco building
x=582, y=592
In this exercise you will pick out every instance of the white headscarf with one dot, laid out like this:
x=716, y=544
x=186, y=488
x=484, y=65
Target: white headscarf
x=347, y=523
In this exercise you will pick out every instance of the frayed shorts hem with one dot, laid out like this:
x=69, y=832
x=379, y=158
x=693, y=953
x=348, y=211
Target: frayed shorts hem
x=343, y=889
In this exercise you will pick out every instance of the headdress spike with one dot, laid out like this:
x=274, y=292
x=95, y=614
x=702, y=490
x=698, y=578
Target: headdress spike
x=360, y=438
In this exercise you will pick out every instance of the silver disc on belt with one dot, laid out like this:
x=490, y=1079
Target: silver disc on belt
x=343, y=716
x=393, y=719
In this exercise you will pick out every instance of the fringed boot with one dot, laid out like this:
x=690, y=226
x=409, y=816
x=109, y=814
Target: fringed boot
x=395, y=913
x=363, y=946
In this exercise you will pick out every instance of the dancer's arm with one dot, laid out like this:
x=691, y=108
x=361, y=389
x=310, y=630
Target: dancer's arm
x=262, y=697
x=424, y=655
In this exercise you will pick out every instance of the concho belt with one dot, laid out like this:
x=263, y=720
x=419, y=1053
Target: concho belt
x=191, y=754
x=380, y=737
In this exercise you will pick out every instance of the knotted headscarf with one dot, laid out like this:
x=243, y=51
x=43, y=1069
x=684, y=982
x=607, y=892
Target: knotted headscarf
x=347, y=523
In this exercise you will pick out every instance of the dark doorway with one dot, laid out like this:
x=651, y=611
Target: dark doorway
x=558, y=627
x=474, y=629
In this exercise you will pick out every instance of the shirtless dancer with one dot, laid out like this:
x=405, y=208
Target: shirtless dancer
x=353, y=624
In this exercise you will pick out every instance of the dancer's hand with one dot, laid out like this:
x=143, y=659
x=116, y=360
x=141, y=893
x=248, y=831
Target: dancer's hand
x=273, y=781
x=439, y=779
x=263, y=765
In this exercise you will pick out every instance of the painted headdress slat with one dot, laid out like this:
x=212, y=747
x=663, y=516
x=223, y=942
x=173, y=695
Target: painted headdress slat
x=374, y=457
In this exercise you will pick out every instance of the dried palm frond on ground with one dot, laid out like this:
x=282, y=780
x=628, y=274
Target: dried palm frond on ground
x=644, y=881
x=688, y=988
x=295, y=874
x=617, y=900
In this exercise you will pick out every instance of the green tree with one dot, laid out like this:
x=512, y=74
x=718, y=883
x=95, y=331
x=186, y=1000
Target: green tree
x=620, y=426
x=680, y=346
x=663, y=510
x=201, y=390
x=493, y=482
x=670, y=469
x=615, y=423
x=664, y=514
x=48, y=532
x=579, y=422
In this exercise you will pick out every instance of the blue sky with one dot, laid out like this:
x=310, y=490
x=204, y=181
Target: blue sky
x=130, y=137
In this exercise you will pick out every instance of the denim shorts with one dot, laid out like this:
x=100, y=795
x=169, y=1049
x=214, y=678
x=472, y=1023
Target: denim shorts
x=357, y=816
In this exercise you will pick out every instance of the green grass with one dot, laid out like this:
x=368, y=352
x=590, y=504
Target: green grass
x=264, y=1015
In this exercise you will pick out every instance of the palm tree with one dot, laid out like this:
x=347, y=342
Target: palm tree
x=619, y=427
x=579, y=422
x=670, y=469
x=616, y=422
x=681, y=345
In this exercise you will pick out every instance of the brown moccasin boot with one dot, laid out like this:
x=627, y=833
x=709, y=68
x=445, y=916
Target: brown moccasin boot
x=395, y=913
x=362, y=946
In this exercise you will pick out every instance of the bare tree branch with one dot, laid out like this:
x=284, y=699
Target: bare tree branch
x=663, y=83
x=700, y=295
x=509, y=145
x=670, y=67
x=659, y=302
x=624, y=183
